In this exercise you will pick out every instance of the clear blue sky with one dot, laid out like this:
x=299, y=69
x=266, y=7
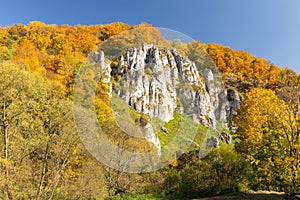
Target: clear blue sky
x=265, y=28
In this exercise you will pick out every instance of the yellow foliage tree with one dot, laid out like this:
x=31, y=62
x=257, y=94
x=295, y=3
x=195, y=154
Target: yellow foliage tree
x=263, y=138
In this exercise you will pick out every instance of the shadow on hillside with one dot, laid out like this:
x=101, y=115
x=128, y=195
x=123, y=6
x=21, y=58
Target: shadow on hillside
x=244, y=196
x=263, y=195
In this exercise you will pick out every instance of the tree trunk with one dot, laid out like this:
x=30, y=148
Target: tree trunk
x=5, y=152
x=44, y=170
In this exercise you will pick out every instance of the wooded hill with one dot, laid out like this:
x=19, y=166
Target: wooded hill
x=42, y=156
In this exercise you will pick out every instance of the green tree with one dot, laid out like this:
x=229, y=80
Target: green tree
x=221, y=170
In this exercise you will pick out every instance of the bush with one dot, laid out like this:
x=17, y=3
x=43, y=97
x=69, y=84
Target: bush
x=221, y=171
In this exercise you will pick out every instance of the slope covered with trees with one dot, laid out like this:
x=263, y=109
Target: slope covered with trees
x=240, y=68
x=42, y=157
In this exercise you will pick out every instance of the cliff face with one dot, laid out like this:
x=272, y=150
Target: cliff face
x=159, y=82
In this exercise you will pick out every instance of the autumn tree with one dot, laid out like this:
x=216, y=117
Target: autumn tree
x=133, y=38
x=106, y=31
x=266, y=138
x=26, y=55
x=5, y=45
x=38, y=137
x=246, y=68
x=291, y=128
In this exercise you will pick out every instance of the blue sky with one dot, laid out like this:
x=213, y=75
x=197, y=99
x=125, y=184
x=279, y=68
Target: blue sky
x=265, y=28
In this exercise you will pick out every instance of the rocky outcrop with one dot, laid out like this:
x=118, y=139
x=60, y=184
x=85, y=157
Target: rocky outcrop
x=212, y=142
x=226, y=137
x=151, y=136
x=159, y=82
x=234, y=102
x=105, y=69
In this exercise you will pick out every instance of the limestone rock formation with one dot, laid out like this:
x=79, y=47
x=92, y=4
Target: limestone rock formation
x=159, y=82
x=212, y=142
x=234, y=101
x=105, y=69
x=151, y=136
x=226, y=137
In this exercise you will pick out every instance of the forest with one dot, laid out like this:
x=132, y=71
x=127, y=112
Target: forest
x=42, y=155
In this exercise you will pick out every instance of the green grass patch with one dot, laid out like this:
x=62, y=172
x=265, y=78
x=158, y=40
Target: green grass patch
x=172, y=127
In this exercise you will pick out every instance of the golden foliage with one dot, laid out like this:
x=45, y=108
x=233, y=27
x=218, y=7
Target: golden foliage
x=268, y=138
x=52, y=50
x=259, y=71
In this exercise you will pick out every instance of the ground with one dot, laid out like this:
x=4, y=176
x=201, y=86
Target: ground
x=260, y=195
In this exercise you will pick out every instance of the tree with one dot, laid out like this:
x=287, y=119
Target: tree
x=221, y=170
x=39, y=34
x=265, y=130
x=26, y=55
x=247, y=68
x=38, y=136
x=109, y=30
x=291, y=128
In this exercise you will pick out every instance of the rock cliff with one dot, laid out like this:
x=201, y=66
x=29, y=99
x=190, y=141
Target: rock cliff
x=159, y=82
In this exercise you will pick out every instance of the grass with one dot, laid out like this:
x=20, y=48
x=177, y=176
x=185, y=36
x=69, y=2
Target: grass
x=126, y=117
x=183, y=133
x=181, y=125
x=260, y=195
x=173, y=126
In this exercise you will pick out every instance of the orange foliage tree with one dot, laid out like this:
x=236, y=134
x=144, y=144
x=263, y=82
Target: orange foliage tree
x=244, y=66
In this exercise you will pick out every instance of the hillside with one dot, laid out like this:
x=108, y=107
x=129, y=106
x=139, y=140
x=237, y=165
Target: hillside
x=92, y=111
